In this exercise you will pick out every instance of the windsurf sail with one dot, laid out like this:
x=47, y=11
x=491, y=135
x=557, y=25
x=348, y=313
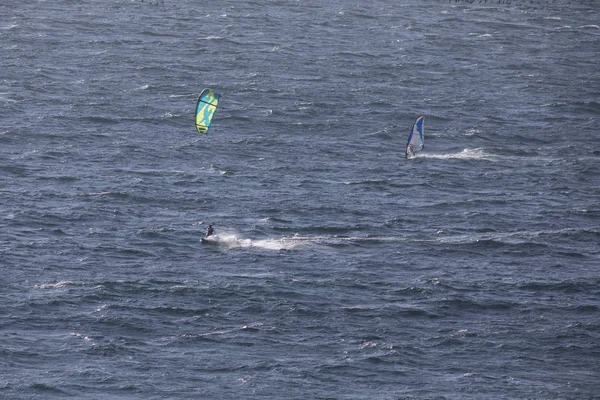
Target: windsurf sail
x=415, y=139
x=205, y=109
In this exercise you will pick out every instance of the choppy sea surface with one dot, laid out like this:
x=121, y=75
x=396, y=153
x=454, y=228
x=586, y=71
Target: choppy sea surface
x=340, y=269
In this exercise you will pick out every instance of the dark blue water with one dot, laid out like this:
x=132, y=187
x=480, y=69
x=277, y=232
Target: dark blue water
x=341, y=270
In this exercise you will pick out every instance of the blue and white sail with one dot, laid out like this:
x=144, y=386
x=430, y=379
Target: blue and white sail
x=415, y=140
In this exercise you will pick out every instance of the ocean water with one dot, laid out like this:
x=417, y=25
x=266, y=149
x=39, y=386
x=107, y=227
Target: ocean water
x=340, y=269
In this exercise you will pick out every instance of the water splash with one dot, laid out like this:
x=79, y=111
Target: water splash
x=465, y=154
x=230, y=240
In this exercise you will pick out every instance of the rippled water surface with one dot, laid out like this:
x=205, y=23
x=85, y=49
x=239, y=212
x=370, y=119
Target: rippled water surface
x=339, y=270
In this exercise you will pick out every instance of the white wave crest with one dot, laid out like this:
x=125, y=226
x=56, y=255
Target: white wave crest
x=58, y=285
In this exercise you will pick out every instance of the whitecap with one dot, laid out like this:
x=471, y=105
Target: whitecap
x=57, y=285
x=81, y=336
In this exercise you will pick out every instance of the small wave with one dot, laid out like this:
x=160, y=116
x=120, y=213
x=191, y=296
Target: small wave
x=464, y=303
x=274, y=219
x=251, y=327
x=582, y=211
x=471, y=132
x=95, y=194
x=367, y=182
x=101, y=120
x=144, y=87
x=590, y=27
x=58, y=285
x=81, y=336
x=531, y=238
x=49, y=389
x=480, y=35
x=567, y=286
x=6, y=99
x=211, y=38
x=359, y=308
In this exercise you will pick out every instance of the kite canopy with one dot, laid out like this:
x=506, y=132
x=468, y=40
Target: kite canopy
x=205, y=109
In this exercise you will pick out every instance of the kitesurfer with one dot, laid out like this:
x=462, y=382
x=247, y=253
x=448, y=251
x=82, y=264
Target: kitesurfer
x=209, y=231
